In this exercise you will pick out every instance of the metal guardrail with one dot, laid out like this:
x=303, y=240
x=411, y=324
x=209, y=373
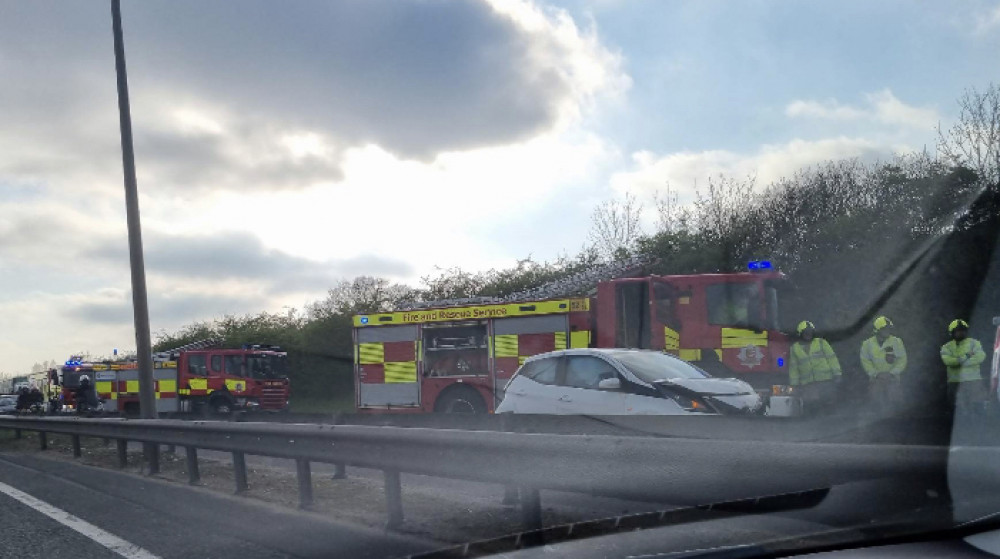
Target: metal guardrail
x=655, y=469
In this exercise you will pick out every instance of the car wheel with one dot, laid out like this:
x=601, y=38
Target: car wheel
x=460, y=401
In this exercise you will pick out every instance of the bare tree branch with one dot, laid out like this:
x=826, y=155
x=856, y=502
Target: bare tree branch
x=615, y=227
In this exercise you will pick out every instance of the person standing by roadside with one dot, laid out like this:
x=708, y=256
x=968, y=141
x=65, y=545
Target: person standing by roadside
x=883, y=357
x=962, y=357
x=814, y=371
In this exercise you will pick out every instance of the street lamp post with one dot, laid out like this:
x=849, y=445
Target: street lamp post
x=144, y=349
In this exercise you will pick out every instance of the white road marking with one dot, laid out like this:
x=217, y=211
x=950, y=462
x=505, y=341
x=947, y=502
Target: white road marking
x=108, y=540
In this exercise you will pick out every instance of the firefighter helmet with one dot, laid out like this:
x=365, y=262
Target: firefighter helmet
x=803, y=325
x=958, y=324
x=883, y=322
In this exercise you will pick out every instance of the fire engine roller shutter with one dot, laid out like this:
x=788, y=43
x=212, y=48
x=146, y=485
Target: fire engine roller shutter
x=166, y=390
x=515, y=339
x=164, y=386
x=104, y=385
x=386, y=359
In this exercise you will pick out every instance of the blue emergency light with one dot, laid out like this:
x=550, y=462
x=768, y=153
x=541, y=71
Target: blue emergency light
x=781, y=362
x=759, y=265
x=364, y=320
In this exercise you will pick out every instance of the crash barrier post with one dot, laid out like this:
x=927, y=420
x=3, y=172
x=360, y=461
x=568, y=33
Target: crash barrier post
x=303, y=472
x=43, y=440
x=122, y=448
x=76, y=446
x=152, y=453
x=194, y=475
x=240, y=472
x=531, y=508
x=339, y=469
x=393, y=499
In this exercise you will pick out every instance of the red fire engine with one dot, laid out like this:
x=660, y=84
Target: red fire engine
x=458, y=355
x=198, y=377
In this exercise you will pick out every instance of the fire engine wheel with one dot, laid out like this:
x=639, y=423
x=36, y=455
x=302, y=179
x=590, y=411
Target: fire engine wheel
x=218, y=406
x=222, y=407
x=460, y=400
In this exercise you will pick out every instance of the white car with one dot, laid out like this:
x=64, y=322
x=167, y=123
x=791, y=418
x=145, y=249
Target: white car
x=622, y=382
x=8, y=404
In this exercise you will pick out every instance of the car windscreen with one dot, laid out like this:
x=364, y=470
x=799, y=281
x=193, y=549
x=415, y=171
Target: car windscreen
x=652, y=366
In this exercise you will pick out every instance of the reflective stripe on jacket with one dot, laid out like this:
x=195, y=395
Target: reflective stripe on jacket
x=873, y=356
x=814, y=363
x=963, y=359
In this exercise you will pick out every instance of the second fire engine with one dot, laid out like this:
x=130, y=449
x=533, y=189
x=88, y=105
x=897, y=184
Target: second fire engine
x=198, y=377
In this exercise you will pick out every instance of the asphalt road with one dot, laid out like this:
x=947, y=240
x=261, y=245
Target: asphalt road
x=157, y=519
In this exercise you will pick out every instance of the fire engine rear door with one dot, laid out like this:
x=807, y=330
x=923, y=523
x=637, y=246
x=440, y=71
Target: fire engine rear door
x=386, y=362
x=517, y=338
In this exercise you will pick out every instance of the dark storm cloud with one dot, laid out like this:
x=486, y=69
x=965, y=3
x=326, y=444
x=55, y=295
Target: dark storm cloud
x=416, y=78
x=241, y=256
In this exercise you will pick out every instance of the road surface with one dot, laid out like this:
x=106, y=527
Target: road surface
x=50, y=508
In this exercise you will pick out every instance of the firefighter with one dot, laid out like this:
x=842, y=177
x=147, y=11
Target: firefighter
x=883, y=357
x=814, y=371
x=85, y=396
x=962, y=357
x=23, y=399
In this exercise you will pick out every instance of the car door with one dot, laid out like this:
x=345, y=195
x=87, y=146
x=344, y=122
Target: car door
x=533, y=389
x=580, y=393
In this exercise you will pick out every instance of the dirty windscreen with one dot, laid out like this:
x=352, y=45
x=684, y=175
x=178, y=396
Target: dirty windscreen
x=789, y=209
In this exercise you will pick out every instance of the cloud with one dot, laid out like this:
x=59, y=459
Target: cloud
x=114, y=307
x=987, y=20
x=827, y=109
x=265, y=96
x=242, y=257
x=683, y=171
x=882, y=107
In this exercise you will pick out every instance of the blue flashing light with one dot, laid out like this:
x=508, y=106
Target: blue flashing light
x=364, y=320
x=781, y=362
x=757, y=265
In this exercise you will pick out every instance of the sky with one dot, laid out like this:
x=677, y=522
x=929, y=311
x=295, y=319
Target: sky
x=284, y=146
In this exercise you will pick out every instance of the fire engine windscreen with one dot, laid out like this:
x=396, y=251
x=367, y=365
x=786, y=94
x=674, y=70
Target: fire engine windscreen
x=267, y=366
x=734, y=304
x=454, y=350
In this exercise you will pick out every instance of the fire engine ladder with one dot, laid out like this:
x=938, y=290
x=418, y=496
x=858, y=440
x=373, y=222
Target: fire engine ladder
x=582, y=283
x=171, y=354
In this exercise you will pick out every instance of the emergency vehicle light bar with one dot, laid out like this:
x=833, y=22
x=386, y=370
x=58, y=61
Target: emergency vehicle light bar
x=759, y=265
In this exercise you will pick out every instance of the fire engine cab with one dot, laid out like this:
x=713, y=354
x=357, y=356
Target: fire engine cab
x=456, y=356
x=198, y=377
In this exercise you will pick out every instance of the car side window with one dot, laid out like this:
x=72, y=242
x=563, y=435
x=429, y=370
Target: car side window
x=542, y=371
x=587, y=372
